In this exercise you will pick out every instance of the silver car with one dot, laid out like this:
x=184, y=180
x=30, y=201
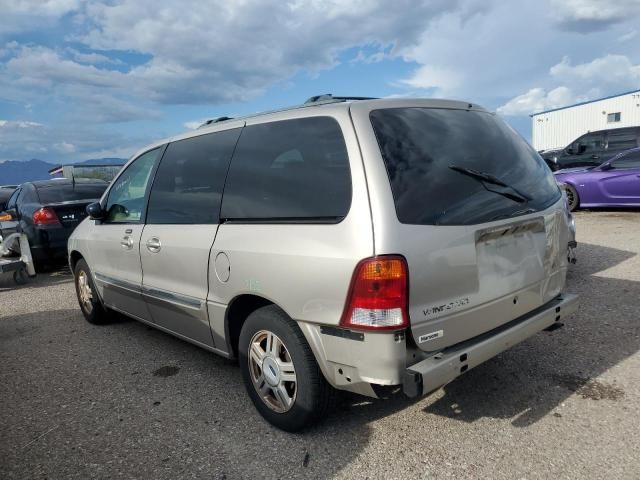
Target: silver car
x=353, y=244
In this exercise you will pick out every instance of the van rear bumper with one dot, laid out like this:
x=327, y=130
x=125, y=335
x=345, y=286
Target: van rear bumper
x=432, y=373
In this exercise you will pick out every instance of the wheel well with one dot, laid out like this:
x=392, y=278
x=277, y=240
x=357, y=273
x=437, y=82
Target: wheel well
x=237, y=312
x=73, y=259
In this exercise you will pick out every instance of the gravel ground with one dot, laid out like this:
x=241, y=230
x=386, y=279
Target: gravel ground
x=127, y=401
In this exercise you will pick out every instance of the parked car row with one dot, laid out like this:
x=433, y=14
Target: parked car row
x=593, y=148
x=614, y=183
x=361, y=245
x=48, y=211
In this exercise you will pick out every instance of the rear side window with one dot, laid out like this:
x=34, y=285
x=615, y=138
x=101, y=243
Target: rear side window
x=622, y=139
x=69, y=192
x=188, y=186
x=292, y=170
x=435, y=157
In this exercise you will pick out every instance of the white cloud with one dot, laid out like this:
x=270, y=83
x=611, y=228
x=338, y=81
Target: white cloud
x=580, y=82
x=64, y=147
x=19, y=124
x=442, y=79
x=589, y=15
x=628, y=36
x=615, y=70
x=536, y=100
x=22, y=15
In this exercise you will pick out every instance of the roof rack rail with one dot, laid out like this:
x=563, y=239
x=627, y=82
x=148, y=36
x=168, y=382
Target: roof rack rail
x=215, y=120
x=329, y=98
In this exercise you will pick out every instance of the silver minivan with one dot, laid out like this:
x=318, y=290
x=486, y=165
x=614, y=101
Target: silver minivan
x=367, y=245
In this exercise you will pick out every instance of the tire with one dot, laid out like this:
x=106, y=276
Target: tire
x=310, y=394
x=573, y=199
x=20, y=277
x=92, y=309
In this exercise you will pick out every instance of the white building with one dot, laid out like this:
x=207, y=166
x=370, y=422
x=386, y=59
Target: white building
x=558, y=127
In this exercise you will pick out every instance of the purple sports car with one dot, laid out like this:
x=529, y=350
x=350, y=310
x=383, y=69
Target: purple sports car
x=615, y=183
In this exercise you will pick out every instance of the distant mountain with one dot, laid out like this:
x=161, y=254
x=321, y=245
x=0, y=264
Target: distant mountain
x=15, y=173
x=103, y=161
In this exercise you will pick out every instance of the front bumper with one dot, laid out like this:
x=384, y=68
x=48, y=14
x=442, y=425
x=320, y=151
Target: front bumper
x=434, y=372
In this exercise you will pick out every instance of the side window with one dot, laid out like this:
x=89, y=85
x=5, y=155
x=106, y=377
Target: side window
x=13, y=199
x=622, y=139
x=590, y=143
x=190, y=179
x=125, y=203
x=289, y=170
x=631, y=160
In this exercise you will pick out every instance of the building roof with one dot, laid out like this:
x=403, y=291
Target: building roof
x=587, y=102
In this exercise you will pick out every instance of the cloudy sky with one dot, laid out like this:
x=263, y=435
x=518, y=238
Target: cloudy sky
x=84, y=79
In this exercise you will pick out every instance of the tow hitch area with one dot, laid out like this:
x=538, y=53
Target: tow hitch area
x=432, y=373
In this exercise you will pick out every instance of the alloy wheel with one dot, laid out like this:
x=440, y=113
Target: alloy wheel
x=84, y=291
x=272, y=371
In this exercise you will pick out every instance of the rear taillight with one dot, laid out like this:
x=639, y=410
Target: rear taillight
x=378, y=295
x=45, y=216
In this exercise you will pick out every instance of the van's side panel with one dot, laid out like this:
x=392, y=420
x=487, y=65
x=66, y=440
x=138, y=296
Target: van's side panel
x=306, y=269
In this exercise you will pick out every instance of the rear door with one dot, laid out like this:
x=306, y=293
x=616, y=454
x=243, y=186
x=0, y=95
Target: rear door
x=182, y=222
x=473, y=209
x=114, y=256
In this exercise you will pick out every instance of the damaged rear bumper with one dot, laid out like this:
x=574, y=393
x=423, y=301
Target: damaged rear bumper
x=434, y=372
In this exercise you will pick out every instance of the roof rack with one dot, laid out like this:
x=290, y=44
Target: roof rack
x=215, y=120
x=310, y=102
x=329, y=98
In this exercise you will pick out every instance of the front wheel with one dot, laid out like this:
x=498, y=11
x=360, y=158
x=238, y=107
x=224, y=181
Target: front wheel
x=572, y=197
x=280, y=372
x=92, y=309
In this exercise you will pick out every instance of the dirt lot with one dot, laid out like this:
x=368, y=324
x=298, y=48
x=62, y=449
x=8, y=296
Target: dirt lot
x=126, y=401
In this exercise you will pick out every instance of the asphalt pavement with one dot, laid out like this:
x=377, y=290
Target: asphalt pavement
x=126, y=401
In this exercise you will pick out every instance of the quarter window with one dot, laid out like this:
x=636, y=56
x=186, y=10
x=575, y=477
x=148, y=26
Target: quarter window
x=126, y=200
x=190, y=178
x=622, y=139
x=292, y=170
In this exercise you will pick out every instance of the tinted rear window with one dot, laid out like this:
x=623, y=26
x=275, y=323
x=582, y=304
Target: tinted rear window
x=188, y=185
x=68, y=192
x=419, y=145
x=289, y=170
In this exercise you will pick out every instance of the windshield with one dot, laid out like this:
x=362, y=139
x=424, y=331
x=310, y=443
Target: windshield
x=66, y=193
x=420, y=146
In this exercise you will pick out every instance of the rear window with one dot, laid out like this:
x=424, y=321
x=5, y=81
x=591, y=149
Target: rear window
x=420, y=146
x=292, y=170
x=68, y=192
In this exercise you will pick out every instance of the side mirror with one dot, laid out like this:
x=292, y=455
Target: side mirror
x=582, y=149
x=8, y=215
x=606, y=166
x=570, y=150
x=95, y=211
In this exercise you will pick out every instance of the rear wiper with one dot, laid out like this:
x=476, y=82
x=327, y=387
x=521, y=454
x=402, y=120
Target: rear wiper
x=517, y=196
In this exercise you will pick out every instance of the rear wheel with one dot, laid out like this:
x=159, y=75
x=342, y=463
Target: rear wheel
x=572, y=197
x=280, y=372
x=92, y=308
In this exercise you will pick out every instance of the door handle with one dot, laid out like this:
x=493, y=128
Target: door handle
x=154, y=245
x=595, y=157
x=126, y=242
